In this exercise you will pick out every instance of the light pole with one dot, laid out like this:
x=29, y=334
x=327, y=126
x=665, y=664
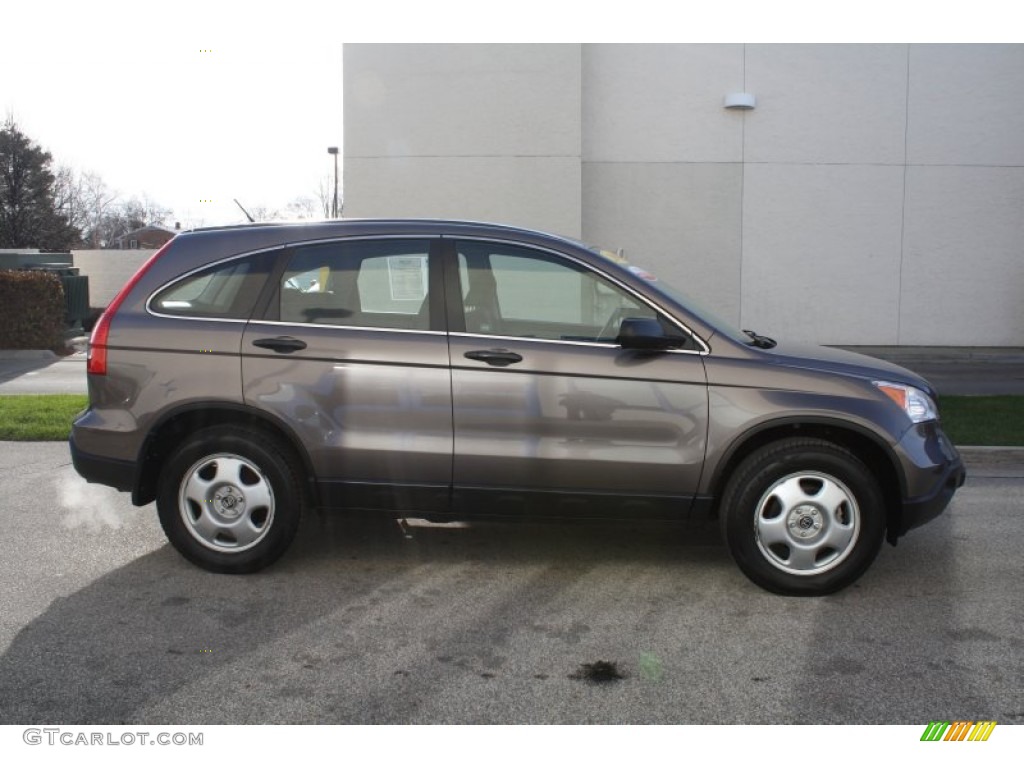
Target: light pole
x=334, y=205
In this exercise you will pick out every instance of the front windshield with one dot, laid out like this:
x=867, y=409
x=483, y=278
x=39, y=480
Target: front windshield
x=702, y=312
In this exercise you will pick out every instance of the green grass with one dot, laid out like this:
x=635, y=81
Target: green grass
x=991, y=420
x=983, y=420
x=38, y=417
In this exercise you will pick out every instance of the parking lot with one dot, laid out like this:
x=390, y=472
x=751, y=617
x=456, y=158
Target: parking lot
x=102, y=622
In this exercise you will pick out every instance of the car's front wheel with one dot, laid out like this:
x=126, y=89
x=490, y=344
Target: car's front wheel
x=803, y=516
x=230, y=499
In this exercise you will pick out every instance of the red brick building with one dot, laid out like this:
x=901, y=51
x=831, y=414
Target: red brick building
x=144, y=237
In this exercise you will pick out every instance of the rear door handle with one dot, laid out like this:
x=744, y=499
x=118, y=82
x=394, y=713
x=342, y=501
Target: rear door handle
x=498, y=357
x=284, y=344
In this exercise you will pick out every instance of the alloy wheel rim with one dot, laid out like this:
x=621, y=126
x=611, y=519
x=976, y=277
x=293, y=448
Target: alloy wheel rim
x=226, y=503
x=807, y=523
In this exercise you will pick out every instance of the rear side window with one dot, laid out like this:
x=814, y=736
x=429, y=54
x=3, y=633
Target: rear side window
x=361, y=283
x=227, y=290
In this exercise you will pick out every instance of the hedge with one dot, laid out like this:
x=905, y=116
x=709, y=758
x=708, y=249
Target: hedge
x=31, y=310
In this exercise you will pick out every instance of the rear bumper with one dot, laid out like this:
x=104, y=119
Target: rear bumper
x=116, y=473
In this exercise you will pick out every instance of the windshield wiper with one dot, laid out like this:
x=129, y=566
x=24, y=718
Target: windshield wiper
x=760, y=341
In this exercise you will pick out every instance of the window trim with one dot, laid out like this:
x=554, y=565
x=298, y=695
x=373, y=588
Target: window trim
x=365, y=328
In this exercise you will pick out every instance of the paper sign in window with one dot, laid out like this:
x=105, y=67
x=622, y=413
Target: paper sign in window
x=407, y=276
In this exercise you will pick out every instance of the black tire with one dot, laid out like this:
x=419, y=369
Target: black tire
x=230, y=499
x=803, y=516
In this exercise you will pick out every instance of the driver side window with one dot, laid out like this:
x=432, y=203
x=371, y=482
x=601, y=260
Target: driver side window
x=513, y=291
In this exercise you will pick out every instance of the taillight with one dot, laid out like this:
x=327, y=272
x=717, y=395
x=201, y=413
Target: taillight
x=97, y=360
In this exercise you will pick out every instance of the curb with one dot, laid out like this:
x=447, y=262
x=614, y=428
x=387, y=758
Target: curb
x=992, y=454
x=957, y=356
x=27, y=354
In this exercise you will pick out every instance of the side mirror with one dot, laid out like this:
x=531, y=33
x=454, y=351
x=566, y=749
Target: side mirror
x=643, y=333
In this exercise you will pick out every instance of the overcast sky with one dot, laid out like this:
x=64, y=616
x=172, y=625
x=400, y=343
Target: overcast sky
x=192, y=122
x=196, y=103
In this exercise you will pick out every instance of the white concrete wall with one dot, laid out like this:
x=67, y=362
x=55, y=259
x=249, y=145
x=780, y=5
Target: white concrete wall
x=821, y=252
x=662, y=173
x=108, y=271
x=661, y=103
x=874, y=196
x=963, y=254
x=963, y=262
x=885, y=183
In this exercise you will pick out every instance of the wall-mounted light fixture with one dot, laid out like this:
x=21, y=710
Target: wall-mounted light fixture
x=740, y=101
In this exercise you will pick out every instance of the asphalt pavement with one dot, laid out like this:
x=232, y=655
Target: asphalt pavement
x=102, y=622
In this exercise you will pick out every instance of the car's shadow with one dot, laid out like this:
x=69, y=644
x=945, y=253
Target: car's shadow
x=119, y=649
x=327, y=536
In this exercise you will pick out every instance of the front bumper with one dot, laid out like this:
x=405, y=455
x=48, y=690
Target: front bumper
x=919, y=511
x=933, y=471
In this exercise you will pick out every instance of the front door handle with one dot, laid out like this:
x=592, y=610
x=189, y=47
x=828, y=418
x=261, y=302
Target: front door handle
x=498, y=357
x=284, y=344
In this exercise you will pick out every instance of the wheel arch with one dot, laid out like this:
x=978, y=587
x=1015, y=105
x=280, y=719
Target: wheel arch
x=866, y=445
x=177, y=424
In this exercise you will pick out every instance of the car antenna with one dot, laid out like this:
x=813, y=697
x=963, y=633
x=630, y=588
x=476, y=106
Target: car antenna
x=250, y=218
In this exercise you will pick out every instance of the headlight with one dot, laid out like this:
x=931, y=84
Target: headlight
x=915, y=403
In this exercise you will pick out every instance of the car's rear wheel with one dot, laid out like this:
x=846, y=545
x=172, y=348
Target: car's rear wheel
x=803, y=516
x=230, y=499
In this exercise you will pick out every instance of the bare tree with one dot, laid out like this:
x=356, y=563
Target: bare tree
x=98, y=201
x=97, y=211
x=67, y=196
x=304, y=207
x=262, y=213
x=119, y=217
x=86, y=200
x=325, y=196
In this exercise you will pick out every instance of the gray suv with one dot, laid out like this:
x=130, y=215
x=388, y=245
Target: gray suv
x=454, y=370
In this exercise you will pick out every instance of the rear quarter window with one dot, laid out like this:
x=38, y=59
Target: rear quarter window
x=226, y=290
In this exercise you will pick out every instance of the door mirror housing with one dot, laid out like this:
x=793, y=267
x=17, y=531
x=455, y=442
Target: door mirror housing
x=643, y=333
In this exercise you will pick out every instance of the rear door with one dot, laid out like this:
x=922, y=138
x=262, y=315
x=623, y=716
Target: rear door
x=351, y=354
x=550, y=414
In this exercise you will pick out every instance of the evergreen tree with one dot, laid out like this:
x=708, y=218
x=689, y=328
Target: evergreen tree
x=29, y=217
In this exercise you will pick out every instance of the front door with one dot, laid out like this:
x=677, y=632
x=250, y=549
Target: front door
x=550, y=414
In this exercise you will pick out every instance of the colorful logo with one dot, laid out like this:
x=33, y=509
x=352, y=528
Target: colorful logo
x=960, y=730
